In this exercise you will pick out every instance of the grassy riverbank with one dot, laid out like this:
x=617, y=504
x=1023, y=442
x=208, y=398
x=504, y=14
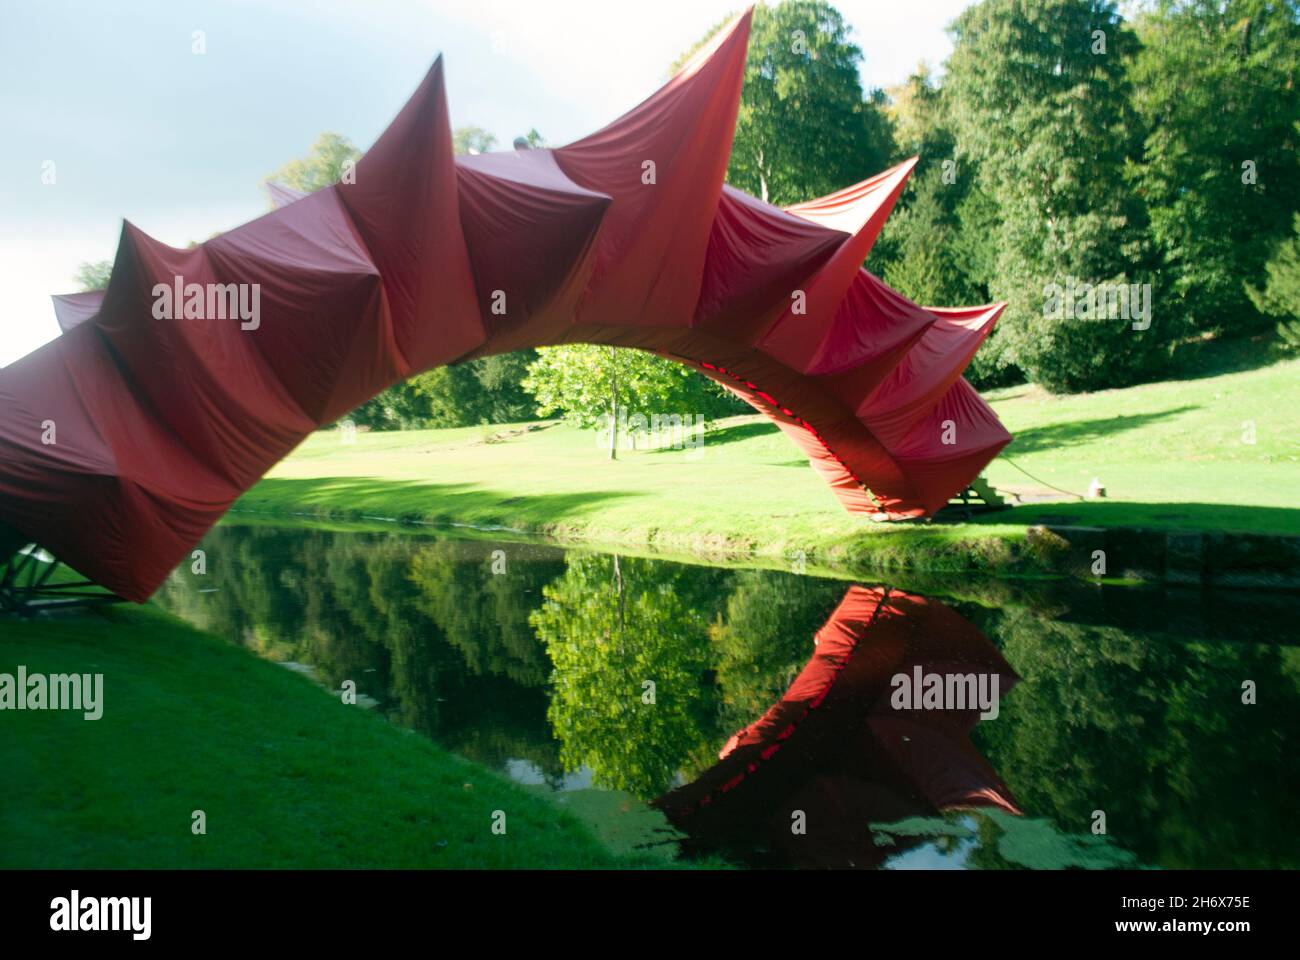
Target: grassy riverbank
x=1174, y=456
x=286, y=774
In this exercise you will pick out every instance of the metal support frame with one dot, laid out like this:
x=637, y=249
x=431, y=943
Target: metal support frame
x=25, y=586
x=978, y=497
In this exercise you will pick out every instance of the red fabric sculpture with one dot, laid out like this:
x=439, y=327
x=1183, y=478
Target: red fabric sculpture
x=835, y=747
x=125, y=439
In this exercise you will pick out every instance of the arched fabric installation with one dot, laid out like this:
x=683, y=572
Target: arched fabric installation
x=125, y=439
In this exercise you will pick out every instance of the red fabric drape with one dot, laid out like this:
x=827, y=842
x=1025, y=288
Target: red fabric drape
x=418, y=258
x=835, y=747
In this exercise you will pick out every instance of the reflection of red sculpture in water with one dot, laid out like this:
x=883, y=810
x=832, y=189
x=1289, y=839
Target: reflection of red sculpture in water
x=125, y=439
x=836, y=749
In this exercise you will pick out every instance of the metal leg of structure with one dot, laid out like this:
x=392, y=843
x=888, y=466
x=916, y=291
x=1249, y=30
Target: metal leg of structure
x=26, y=587
x=979, y=497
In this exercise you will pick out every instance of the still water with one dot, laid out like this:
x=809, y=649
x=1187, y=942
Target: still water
x=761, y=712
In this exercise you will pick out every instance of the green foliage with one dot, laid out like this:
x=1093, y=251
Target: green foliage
x=94, y=275
x=804, y=128
x=609, y=625
x=1128, y=703
x=403, y=406
x=926, y=267
x=485, y=390
x=1062, y=145
x=502, y=397
x=584, y=382
x=1216, y=88
x=1048, y=121
x=472, y=139
x=938, y=248
x=293, y=777
x=919, y=113
x=1280, y=297
x=1288, y=332
x=1129, y=723
x=752, y=494
x=323, y=165
x=765, y=638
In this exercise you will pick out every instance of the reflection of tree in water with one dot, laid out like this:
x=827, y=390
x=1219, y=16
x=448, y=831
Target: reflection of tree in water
x=1153, y=732
x=762, y=643
x=611, y=624
x=496, y=686
x=287, y=595
x=422, y=625
x=485, y=615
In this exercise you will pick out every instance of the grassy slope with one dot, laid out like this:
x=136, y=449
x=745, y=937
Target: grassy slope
x=1170, y=455
x=287, y=775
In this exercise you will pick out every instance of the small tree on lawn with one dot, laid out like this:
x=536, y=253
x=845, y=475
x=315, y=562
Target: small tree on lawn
x=586, y=383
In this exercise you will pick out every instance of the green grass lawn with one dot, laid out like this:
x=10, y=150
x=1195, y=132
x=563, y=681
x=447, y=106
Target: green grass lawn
x=1171, y=455
x=287, y=775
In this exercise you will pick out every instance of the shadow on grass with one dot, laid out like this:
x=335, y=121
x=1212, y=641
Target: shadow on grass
x=1186, y=517
x=740, y=431
x=1059, y=435
x=717, y=436
x=402, y=499
x=1199, y=359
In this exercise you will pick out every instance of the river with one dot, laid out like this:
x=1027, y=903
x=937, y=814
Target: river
x=762, y=713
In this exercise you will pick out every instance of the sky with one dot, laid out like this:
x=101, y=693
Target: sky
x=111, y=103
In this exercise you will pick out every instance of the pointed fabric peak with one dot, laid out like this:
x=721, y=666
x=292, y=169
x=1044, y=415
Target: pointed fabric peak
x=662, y=164
x=864, y=205
x=732, y=35
x=757, y=254
x=73, y=309
x=971, y=317
x=405, y=206
x=927, y=372
x=281, y=195
x=737, y=27
x=531, y=233
x=797, y=339
x=191, y=357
